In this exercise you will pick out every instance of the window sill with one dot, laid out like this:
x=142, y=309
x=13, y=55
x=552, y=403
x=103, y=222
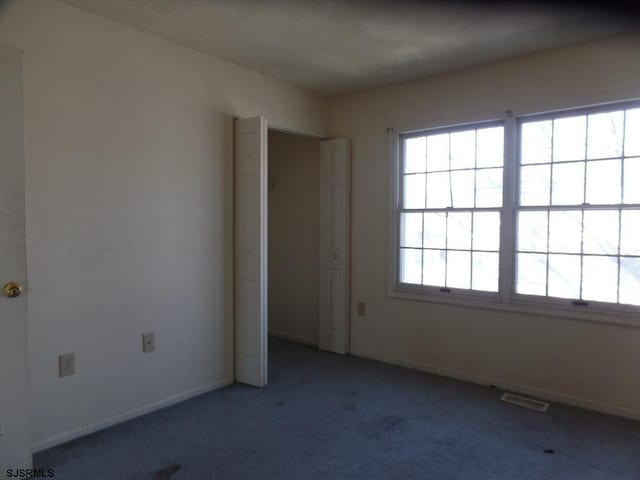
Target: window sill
x=523, y=306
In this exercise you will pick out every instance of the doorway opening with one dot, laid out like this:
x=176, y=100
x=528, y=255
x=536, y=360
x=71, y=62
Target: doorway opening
x=293, y=232
x=305, y=232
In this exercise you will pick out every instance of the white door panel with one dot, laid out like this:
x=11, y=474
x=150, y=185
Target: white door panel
x=15, y=443
x=250, y=253
x=333, y=297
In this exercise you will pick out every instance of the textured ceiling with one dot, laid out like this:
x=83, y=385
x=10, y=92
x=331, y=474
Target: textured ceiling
x=342, y=46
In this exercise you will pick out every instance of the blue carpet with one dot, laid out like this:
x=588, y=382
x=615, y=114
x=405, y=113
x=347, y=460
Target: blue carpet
x=326, y=416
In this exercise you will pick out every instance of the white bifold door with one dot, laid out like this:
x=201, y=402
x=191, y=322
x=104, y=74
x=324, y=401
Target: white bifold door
x=15, y=442
x=250, y=251
x=333, y=284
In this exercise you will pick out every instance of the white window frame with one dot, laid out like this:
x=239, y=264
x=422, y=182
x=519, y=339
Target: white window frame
x=506, y=299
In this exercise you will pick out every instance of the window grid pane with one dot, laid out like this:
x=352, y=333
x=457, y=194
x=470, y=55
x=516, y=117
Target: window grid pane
x=443, y=242
x=582, y=183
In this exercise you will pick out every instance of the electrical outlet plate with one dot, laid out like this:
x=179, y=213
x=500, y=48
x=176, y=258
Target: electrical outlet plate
x=362, y=309
x=66, y=364
x=148, y=342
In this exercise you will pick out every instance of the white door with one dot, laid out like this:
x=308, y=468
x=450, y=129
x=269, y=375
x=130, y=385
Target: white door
x=333, y=295
x=15, y=444
x=250, y=251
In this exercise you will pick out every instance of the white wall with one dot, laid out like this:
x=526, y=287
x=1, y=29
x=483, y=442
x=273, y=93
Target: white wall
x=128, y=172
x=294, y=176
x=587, y=363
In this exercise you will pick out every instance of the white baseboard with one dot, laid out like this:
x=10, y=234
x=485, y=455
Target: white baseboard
x=294, y=337
x=560, y=398
x=108, y=422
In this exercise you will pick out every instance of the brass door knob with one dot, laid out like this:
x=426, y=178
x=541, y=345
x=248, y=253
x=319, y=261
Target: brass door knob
x=12, y=289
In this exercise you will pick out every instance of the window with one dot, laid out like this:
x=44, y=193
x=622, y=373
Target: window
x=451, y=202
x=578, y=222
x=543, y=208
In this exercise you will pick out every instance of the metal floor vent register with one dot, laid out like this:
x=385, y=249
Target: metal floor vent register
x=525, y=402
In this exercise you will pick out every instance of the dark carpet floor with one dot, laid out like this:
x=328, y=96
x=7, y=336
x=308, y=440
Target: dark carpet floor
x=326, y=416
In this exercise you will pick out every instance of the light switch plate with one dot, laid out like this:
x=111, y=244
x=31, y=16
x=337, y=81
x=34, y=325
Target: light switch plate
x=148, y=342
x=362, y=309
x=66, y=364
